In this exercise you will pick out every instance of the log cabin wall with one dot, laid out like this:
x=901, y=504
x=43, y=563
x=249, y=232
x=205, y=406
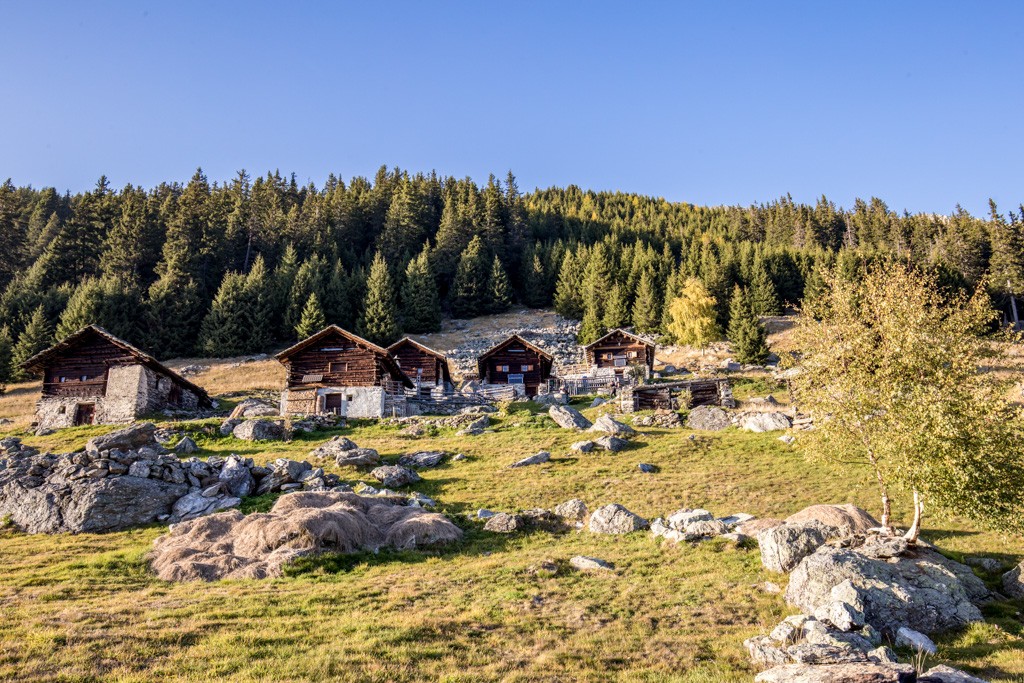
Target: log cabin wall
x=516, y=359
x=419, y=364
x=82, y=369
x=335, y=361
x=620, y=350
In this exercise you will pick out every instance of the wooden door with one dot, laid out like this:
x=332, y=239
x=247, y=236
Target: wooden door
x=85, y=413
x=332, y=403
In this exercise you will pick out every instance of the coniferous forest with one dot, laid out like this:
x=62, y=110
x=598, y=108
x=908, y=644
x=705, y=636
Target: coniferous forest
x=224, y=269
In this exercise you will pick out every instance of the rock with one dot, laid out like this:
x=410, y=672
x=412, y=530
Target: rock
x=612, y=444
x=575, y=510
x=858, y=672
x=186, y=446
x=755, y=526
x=458, y=457
x=504, y=523
x=196, y=504
x=422, y=459
x=254, y=407
x=536, y=459
x=582, y=446
x=1013, y=582
x=127, y=439
x=766, y=422
x=708, y=418
x=784, y=546
x=358, y=457
x=236, y=477
x=882, y=655
x=611, y=426
x=259, y=430
x=788, y=439
x=583, y=563
x=394, y=476
x=484, y=513
x=331, y=449
x=567, y=417
x=849, y=518
x=914, y=640
x=615, y=519
x=883, y=547
x=816, y=653
x=985, y=564
x=765, y=651
x=596, y=402
x=647, y=468
x=929, y=591
x=139, y=468
x=704, y=529
x=945, y=674
x=735, y=520
x=681, y=518
x=228, y=425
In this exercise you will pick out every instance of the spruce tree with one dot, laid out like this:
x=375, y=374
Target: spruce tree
x=6, y=355
x=535, y=292
x=36, y=336
x=499, y=289
x=616, y=309
x=748, y=336
x=568, y=294
x=225, y=331
x=311, y=278
x=175, y=315
x=469, y=292
x=379, y=323
x=763, y=297
x=646, y=308
x=83, y=308
x=258, y=307
x=591, y=327
x=312, y=320
x=421, y=305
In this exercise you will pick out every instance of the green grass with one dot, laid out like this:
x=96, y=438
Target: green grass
x=85, y=608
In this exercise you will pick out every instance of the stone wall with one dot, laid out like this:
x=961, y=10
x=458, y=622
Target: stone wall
x=359, y=401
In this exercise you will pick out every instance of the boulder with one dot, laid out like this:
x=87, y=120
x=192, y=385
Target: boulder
x=926, y=590
x=567, y=417
x=646, y=468
x=755, y=526
x=705, y=529
x=857, y=672
x=681, y=518
x=230, y=545
x=127, y=439
x=254, y=407
x=237, y=477
x=186, y=446
x=259, y=430
x=915, y=640
x=394, y=476
x=1013, y=582
x=609, y=425
x=584, y=563
x=422, y=459
x=575, y=510
x=358, y=457
x=945, y=674
x=504, y=523
x=766, y=651
x=708, y=419
x=582, y=446
x=850, y=519
x=282, y=473
x=612, y=444
x=615, y=519
x=228, y=425
x=766, y=422
x=331, y=449
x=536, y=459
x=783, y=547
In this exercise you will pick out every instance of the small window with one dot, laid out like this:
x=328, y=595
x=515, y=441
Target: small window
x=526, y=368
x=337, y=367
x=63, y=379
x=85, y=378
x=348, y=397
x=632, y=354
x=502, y=368
x=63, y=409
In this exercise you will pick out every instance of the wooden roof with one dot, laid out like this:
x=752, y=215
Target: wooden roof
x=645, y=342
x=425, y=349
x=39, y=361
x=388, y=361
x=507, y=342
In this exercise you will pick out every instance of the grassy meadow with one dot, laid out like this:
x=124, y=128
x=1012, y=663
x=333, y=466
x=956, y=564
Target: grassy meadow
x=85, y=608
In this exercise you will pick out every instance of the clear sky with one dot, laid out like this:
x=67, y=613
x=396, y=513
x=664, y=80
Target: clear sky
x=712, y=103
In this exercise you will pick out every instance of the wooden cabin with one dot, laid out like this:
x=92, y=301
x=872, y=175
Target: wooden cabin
x=92, y=377
x=427, y=368
x=518, y=362
x=337, y=372
x=620, y=349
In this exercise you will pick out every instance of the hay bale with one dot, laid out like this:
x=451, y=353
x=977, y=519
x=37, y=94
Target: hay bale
x=849, y=518
x=231, y=545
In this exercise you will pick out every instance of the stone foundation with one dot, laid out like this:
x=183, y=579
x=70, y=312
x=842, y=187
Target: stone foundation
x=358, y=402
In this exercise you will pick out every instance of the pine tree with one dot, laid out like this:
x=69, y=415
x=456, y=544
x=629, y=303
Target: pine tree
x=175, y=314
x=748, y=336
x=83, y=308
x=379, y=322
x=6, y=355
x=36, y=336
x=225, y=331
x=499, y=289
x=258, y=307
x=591, y=327
x=568, y=291
x=535, y=292
x=646, y=308
x=312, y=320
x=763, y=297
x=421, y=305
x=616, y=309
x=693, y=316
x=109, y=302
x=469, y=292
x=311, y=278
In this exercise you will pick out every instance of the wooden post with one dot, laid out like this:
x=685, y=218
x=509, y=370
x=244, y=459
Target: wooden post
x=1013, y=306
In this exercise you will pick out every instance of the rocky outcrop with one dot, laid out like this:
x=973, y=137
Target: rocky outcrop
x=130, y=438
x=708, y=418
x=784, y=546
x=923, y=589
x=254, y=407
x=615, y=519
x=863, y=672
x=230, y=545
x=567, y=417
x=422, y=459
x=1013, y=582
x=849, y=519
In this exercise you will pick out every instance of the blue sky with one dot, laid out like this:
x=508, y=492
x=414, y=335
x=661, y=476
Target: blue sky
x=711, y=103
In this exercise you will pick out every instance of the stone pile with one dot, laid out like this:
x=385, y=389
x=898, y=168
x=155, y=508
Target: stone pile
x=346, y=453
x=697, y=524
x=664, y=419
x=458, y=421
x=127, y=478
